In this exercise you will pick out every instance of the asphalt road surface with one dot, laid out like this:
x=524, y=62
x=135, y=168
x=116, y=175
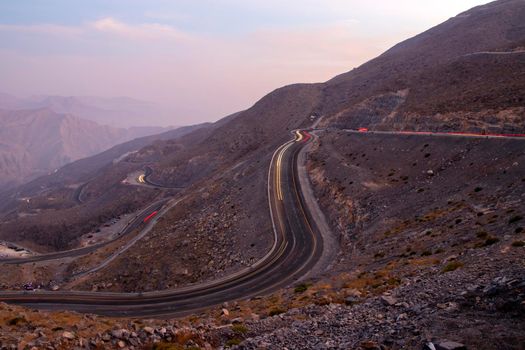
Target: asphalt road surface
x=146, y=179
x=297, y=247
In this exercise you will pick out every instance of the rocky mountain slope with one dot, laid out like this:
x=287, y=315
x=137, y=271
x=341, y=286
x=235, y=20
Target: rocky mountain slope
x=465, y=74
x=35, y=142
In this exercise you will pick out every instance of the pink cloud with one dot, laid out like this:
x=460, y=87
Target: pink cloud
x=146, y=31
x=198, y=77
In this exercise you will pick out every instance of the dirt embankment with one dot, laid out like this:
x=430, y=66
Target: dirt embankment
x=410, y=196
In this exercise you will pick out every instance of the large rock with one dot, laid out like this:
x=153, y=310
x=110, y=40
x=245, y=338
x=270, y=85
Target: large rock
x=388, y=300
x=450, y=345
x=120, y=333
x=68, y=335
x=149, y=330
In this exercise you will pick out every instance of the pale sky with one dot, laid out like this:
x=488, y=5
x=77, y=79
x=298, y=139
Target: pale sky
x=201, y=59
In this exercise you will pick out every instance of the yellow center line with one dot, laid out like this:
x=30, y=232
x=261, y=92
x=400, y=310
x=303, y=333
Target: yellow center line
x=278, y=168
x=299, y=136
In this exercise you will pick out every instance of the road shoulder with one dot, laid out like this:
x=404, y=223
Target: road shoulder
x=330, y=243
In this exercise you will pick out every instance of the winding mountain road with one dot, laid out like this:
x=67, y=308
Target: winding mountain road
x=146, y=179
x=297, y=248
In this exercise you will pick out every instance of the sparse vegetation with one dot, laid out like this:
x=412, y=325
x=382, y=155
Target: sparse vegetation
x=490, y=241
x=451, y=266
x=482, y=234
x=487, y=242
x=300, y=288
x=275, y=311
x=167, y=346
x=17, y=320
x=233, y=341
x=379, y=255
x=515, y=219
x=239, y=328
x=518, y=243
x=393, y=281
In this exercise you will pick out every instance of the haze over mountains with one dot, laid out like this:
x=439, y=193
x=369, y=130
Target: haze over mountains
x=122, y=112
x=38, y=135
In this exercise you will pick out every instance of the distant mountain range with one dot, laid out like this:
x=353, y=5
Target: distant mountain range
x=117, y=111
x=36, y=141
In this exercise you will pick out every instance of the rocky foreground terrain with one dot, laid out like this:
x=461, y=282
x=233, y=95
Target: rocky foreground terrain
x=478, y=306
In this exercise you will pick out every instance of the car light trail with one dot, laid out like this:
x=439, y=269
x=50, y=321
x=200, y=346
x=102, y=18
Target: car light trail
x=278, y=169
x=147, y=218
x=307, y=136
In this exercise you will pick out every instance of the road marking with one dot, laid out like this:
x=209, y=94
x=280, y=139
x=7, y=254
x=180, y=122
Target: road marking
x=278, y=169
x=299, y=136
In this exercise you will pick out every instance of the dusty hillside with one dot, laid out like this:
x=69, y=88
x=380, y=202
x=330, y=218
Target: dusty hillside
x=467, y=73
x=403, y=202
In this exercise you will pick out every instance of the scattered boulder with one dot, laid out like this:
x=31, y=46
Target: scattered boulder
x=450, y=345
x=449, y=306
x=120, y=333
x=351, y=300
x=388, y=300
x=68, y=335
x=237, y=320
x=149, y=330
